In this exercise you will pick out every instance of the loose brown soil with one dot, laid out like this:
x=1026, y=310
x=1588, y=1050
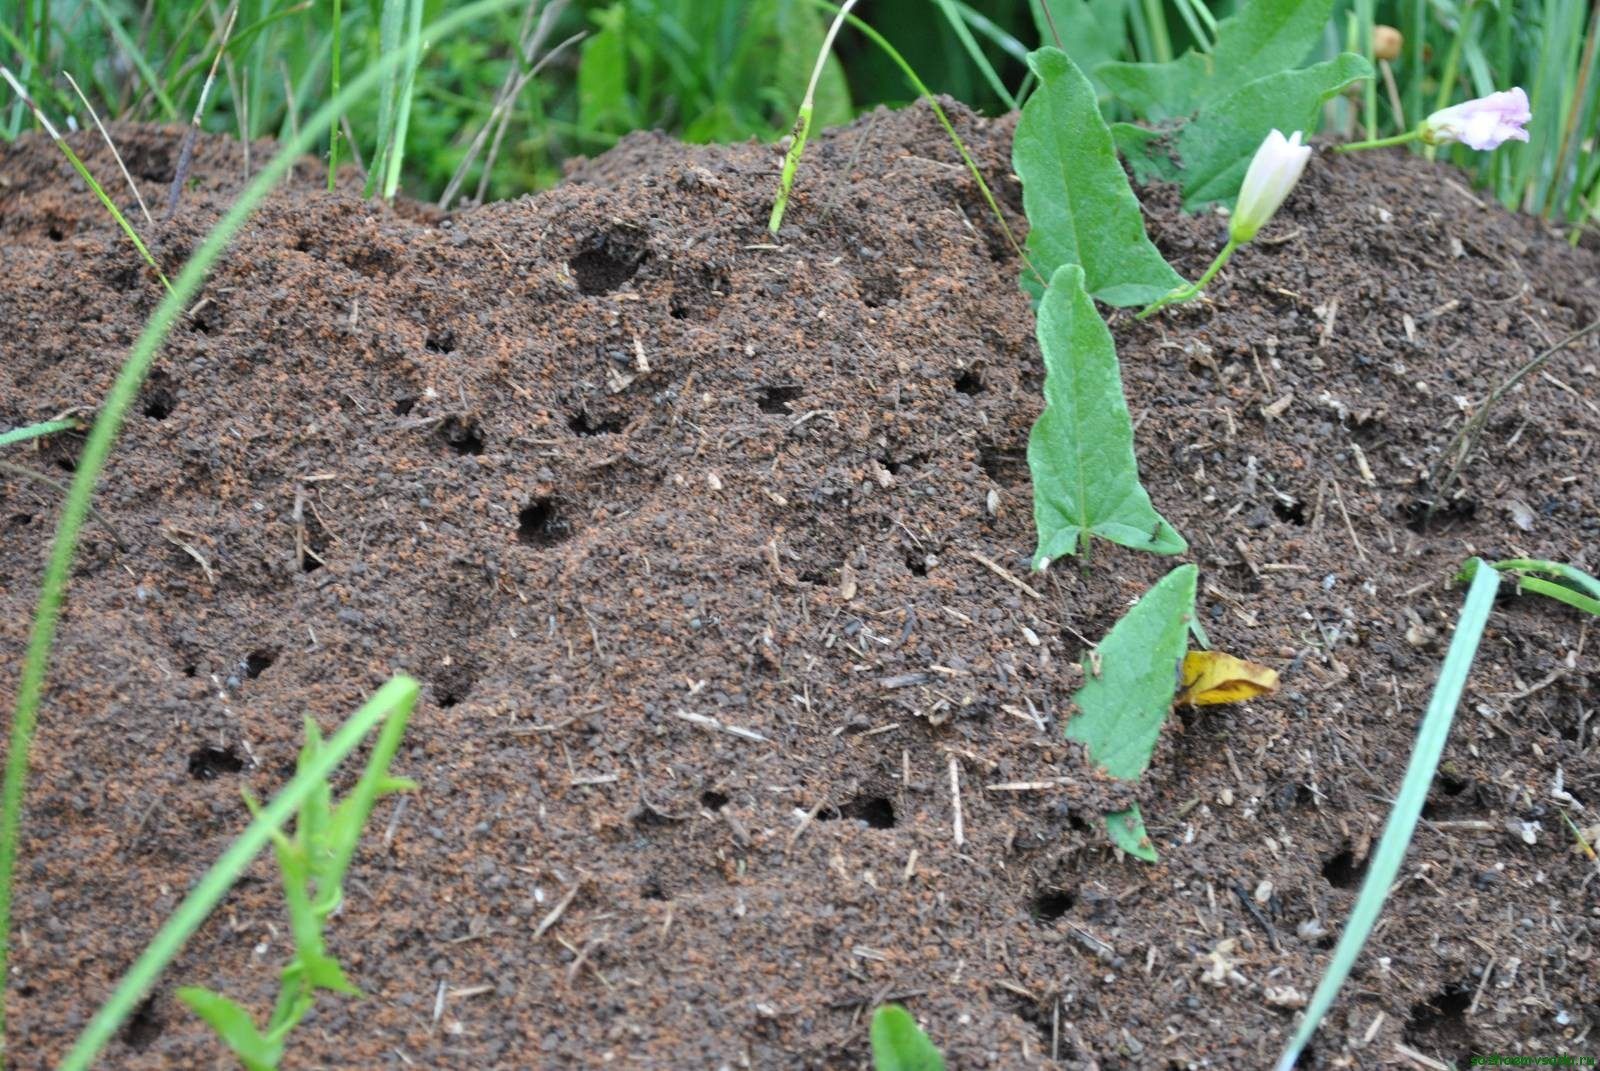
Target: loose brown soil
x=588, y=462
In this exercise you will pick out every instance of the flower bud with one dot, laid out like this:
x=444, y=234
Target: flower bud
x=1485, y=123
x=1273, y=172
x=1387, y=43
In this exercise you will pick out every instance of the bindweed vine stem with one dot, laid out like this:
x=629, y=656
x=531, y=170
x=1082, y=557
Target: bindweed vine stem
x=1381, y=143
x=1192, y=291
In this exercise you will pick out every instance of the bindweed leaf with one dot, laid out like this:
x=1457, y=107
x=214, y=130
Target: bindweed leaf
x=1147, y=152
x=1126, y=829
x=235, y=1027
x=1085, y=476
x=1130, y=678
x=1080, y=207
x=1263, y=37
x=1211, y=677
x=898, y=1044
x=1217, y=146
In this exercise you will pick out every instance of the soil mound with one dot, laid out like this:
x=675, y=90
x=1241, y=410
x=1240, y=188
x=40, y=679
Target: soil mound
x=711, y=551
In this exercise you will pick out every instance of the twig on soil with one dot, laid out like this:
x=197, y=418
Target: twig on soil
x=1338, y=498
x=1466, y=440
x=556, y=912
x=721, y=726
x=1003, y=573
x=955, y=802
x=38, y=477
x=805, y=823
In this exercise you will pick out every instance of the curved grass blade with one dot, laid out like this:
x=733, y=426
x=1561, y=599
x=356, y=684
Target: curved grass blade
x=958, y=26
x=34, y=431
x=1079, y=204
x=30, y=688
x=391, y=703
x=1391, y=851
x=1080, y=452
x=1568, y=584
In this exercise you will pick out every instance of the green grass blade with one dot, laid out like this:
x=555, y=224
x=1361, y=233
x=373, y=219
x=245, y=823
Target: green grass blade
x=34, y=431
x=1391, y=851
x=136, y=57
x=394, y=699
x=975, y=52
x=1005, y=42
x=336, y=30
x=408, y=88
x=97, y=448
x=898, y=1043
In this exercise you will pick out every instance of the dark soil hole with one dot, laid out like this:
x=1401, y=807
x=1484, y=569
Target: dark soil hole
x=1342, y=870
x=1051, y=904
x=875, y=811
x=403, y=406
x=143, y=1026
x=1444, y=513
x=1005, y=467
x=1439, y=1024
x=158, y=401
x=541, y=525
x=777, y=399
x=969, y=382
x=897, y=467
x=879, y=290
x=313, y=546
x=605, y=267
x=1289, y=512
x=917, y=563
x=652, y=890
x=464, y=436
x=56, y=234
x=441, y=341
x=712, y=800
x=209, y=763
x=453, y=685
x=584, y=424
x=258, y=662
x=21, y=520
x=647, y=817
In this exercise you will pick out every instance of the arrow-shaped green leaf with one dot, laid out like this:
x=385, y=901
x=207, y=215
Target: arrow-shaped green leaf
x=1085, y=476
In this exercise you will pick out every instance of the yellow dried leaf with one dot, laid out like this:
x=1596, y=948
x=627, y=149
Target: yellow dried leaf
x=1211, y=677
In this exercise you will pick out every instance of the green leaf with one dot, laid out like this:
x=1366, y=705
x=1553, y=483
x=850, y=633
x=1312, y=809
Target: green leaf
x=1126, y=829
x=234, y=1026
x=603, y=102
x=1216, y=148
x=1093, y=32
x=898, y=1044
x=1148, y=152
x=1263, y=37
x=1391, y=850
x=1085, y=476
x=800, y=33
x=1567, y=584
x=1080, y=207
x=1132, y=676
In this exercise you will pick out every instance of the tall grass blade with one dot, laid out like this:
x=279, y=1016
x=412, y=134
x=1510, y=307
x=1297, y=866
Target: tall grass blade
x=151, y=80
x=391, y=704
x=1391, y=851
x=35, y=431
x=137, y=196
x=180, y=174
x=337, y=31
x=975, y=52
x=30, y=688
x=802, y=123
x=408, y=88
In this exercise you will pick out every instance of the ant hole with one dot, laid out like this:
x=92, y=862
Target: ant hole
x=464, y=436
x=258, y=662
x=777, y=399
x=208, y=763
x=969, y=382
x=540, y=525
x=876, y=811
x=1051, y=904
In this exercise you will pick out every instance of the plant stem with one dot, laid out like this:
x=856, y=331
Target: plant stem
x=802, y=123
x=1380, y=143
x=1187, y=293
x=333, y=90
x=34, y=431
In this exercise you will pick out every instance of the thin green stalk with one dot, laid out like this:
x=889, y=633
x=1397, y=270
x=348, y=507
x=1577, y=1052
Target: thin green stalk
x=333, y=89
x=391, y=704
x=35, y=431
x=802, y=123
x=151, y=81
x=1188, y=293
x=1160, y=39
x=1452, y=58
x=83, y=173
x=30, y=688
x=1198, y=18
x=1391, y=850
x=397, y=145
x=1380, y=143
x=974, y=52
x=1365, y=19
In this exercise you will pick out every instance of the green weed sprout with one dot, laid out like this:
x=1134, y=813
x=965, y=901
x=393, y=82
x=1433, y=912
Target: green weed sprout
x=898, y=1044
x=1559, y=581
x=30, y=688
x=313, y=865
x=1391, y=850
x=36, y=431
x=83, y=172
x=802, y=122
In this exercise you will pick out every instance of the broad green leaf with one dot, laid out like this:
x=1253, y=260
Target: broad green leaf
x=1085, y=476
x=800, y=32
x=1080, y=207
x=1126, y=829
x=603, y=102
x=1216, y=148
x=1093, y=32
x=1263, y=37
x=898, y=1044
x=234, y=1026
x=1391, y=851
x=1147, y=152
x=1131, y=677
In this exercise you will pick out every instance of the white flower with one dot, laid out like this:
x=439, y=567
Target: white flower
x=1273, y=172
x=1485, y=123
